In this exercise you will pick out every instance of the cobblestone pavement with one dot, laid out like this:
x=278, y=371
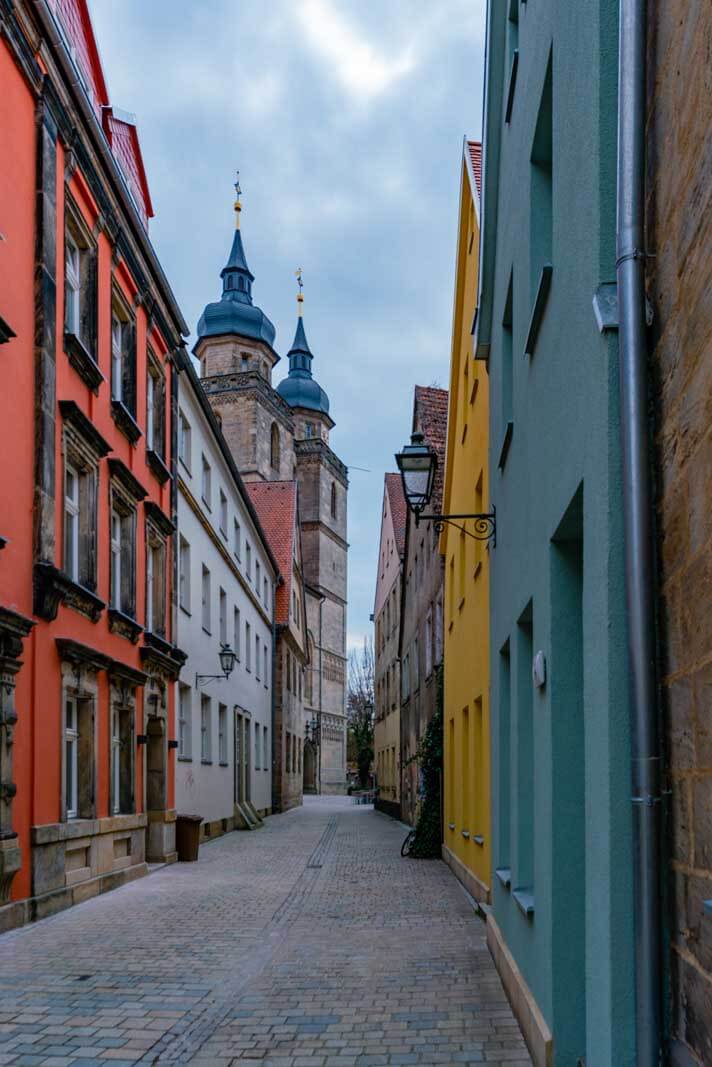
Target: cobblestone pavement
x=309, y=943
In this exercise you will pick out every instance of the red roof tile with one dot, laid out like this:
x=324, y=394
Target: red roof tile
x=474, y=149
x=399, y=510
x=276, y=507
x=430, y=416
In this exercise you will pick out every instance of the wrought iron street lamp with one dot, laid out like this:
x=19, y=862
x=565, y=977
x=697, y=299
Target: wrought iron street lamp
x=227, y=659
x=418, y=464
x=311, y=731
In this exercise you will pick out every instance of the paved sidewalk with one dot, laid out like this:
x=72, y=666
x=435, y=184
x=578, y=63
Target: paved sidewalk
x=309, y=943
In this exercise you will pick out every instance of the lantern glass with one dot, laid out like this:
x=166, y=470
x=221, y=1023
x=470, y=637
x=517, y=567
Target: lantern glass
x=416, y=464
x=227, y=660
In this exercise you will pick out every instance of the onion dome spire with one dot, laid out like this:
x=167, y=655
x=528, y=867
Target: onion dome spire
x=234, y=313
x=299, y=388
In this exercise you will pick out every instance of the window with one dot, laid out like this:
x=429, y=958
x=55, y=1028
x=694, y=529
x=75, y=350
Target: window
x=71, y=523
x=506, y=389
x=333, y=500
x=309, y=430
x=299, y=755
x=415, y=662
x=71, y=746
x=223, y=617
x=184, y=441
x=123, y=356
x=205, y=729
x=155, y=409
x=248, y=560
x=206, y=599
x=222, y=734
x=248, y=646
x=121, y=766
x=541, y=178
x=438, y=653
x=405, y=677
x=185, y=727
x=223, y=514
x=429, y=643
x=155, y=583
x=265, y=594
x=184, y=574
x=236, y=538
x=288, y=667
x=265, y=664
x=288, y=761
x=265, y=749
x=205, y=482
x=80, y=286
x=257, y=578
x=73, y=284
x=236, y=632
x=115, y=596
x=257, y=657
x=258, y=761
x=274, y=447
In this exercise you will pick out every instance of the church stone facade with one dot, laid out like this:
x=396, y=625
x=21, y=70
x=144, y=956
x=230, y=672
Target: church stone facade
x=279, y=435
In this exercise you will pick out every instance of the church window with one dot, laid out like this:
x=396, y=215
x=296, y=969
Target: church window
x=241, y=283
x=245, y=359
x=309, y=429
x=229, y=281
x=333, y=500
x=274, y=447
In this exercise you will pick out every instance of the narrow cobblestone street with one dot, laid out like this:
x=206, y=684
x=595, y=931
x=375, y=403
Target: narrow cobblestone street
x=308, y=943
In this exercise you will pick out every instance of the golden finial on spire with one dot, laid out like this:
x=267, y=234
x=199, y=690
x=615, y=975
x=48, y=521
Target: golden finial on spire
x=300, y=294
x=237, y=205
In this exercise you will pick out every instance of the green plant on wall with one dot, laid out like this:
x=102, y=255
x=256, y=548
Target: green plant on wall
x=429, y=757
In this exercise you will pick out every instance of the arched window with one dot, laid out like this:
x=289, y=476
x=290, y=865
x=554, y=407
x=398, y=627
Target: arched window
x=241, y=283
x=274, y=447
x=333, y=500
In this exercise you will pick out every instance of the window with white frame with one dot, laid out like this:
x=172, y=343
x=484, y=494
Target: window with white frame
x=223, y=617
x=223, y=514
x=185, y=726
x=155, y=582
x=80, y=281
x=236, y=632
x=71, y=522
x=258, y=761
x=115, y=762
x=206, y=598
x=73, y=285
x=205, y=482
x=222, y=734
x=184, y=574
x=205, y=729
x=236, y=538
x=71, y=756
x=155, y=408
x=122, y=586
x=248, y=647
x=184, y=441
x=265, y=750
x=115, y=591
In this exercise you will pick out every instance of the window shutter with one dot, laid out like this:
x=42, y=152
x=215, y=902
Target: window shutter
x=88, y=301
x=87, y=529
x=159, y=416
x=128, y=366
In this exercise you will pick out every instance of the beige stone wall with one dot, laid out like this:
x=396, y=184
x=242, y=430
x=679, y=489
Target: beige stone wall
x=680, y=285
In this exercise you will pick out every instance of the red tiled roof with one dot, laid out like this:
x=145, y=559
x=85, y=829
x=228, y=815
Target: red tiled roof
x=399, y=509
x=276, y=507
x=122, y=135
x=474, y=149
x=430, y=416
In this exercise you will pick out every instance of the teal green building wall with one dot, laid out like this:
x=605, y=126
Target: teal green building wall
x=560, y=752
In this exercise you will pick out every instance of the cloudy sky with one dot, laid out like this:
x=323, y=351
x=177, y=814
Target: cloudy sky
x=346, y=121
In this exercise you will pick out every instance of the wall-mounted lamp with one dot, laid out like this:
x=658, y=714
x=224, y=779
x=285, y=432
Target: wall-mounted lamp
x=227, y=662
x=417, y=464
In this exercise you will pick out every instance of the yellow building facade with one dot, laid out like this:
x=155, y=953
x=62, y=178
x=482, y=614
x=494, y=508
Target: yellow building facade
x=466, y=722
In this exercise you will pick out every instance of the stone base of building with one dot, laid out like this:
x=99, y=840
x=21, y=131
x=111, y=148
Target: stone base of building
x=73, y=861
x=468, y=878
x=536, y=1033
x=161, y=837
x=388, y=807
x=333, y=789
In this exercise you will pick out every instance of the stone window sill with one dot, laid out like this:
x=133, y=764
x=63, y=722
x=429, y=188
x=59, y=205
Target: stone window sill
x=6, y=332
x=504, y=875
x=504, y=450
x=512, y=87
x=83, y=362
x=524, y=899
x=157, y=465
x=124, y=625
x=540, y=302
x=207, y=762
x=184, y=759
x=125, y=421
x=53, y=587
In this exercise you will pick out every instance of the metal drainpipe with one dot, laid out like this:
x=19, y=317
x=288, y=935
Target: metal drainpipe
x=637, y=504
x=275, y=805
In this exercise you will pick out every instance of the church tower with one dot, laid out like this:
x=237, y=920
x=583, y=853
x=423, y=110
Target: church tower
x=236, y=351
x=323, y=489
x=282, y=435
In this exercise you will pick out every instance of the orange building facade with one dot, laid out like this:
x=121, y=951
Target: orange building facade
x=88, y=334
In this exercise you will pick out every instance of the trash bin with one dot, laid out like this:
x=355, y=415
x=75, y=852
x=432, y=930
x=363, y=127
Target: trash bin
x=188, y=837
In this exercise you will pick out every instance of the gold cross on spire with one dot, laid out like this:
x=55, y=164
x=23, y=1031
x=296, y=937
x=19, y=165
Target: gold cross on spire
x=237, y=205
x=300, y=283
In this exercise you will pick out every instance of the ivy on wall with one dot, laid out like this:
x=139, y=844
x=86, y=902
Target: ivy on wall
x=429, y=757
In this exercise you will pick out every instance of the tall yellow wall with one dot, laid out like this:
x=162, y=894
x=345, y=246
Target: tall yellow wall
x=466, y=703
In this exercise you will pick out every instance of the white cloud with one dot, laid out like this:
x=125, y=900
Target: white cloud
x=363, y=71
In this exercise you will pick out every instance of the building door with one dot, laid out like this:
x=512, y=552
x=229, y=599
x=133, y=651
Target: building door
x=242, y=758
x=309, y=767
x=155, y=765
